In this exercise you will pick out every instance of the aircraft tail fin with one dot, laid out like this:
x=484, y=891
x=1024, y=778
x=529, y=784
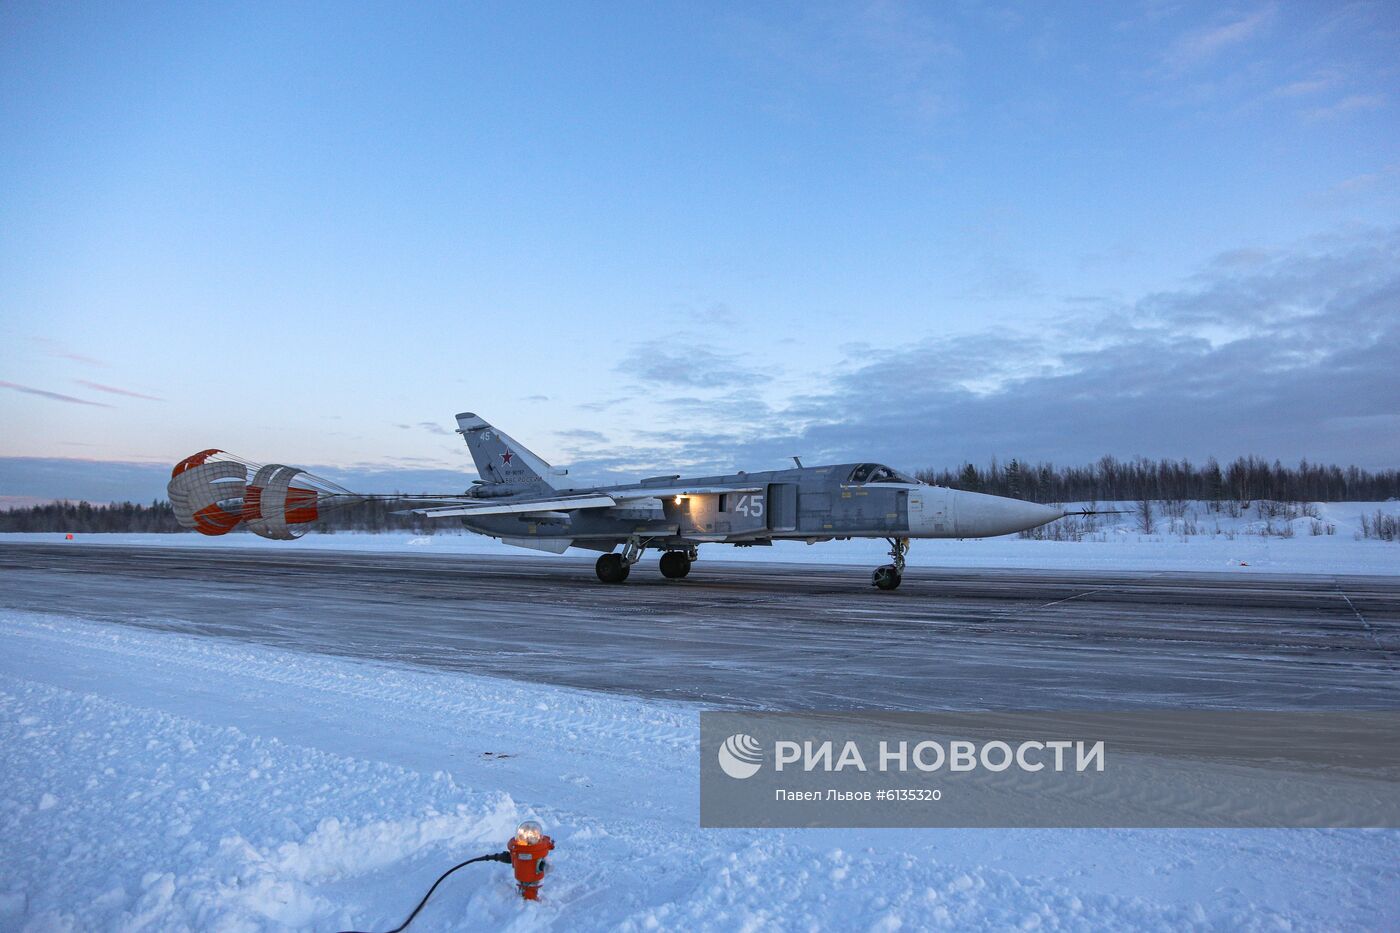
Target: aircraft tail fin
x=500, y=459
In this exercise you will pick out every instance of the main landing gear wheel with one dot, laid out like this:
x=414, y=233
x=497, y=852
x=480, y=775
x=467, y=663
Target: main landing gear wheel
x=674, y=565
x=611, y=568
x=890, y=576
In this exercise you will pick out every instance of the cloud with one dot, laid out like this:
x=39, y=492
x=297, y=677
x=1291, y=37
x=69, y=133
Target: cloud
x=73, y=478
x=1350, y=104
x=610, y=404
x=680, y=363
x=114, y=390
x=997, y=276
x=1200, y=45
x=56, y=396
x=1366, y=182
x=1282, y=352
x=580, y=434
x=55, y=349
x=432, y=427
x=1258, y=353
x=8, y=503
x=1307, y=86
x=704, y=312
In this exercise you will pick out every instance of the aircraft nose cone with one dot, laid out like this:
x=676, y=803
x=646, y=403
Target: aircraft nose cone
x=983, y=516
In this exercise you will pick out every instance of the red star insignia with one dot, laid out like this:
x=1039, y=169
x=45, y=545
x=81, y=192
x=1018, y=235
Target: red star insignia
x=505, y=457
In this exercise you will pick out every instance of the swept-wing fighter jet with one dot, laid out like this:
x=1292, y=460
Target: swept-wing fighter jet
x=517, y=501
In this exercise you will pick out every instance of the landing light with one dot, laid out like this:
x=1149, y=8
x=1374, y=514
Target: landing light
x=529, y=833
x=527, y=852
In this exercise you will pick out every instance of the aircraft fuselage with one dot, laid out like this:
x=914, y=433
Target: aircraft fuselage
x=805, y=503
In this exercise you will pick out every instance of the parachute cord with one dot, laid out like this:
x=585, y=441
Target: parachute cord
x=493, y=857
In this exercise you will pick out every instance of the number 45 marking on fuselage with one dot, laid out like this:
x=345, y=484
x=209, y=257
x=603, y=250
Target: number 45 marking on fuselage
x=750, y=505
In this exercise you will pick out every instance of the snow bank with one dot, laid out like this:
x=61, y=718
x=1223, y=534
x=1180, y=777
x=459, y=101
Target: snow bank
x=168, y=782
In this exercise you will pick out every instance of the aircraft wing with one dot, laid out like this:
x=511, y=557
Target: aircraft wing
x=572, y=503
x=559, y=504
x=667, y=492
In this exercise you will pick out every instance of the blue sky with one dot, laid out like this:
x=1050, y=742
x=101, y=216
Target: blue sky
x=697, y=235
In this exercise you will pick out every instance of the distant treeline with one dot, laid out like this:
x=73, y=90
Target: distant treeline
x=1110, y=479
x=83, y=517
x=1245, y=480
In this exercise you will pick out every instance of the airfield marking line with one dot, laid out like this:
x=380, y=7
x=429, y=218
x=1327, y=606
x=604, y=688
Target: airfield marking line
x=1370, y=632
x=1101, y=589
x=1012, y=613
x=1070, y=598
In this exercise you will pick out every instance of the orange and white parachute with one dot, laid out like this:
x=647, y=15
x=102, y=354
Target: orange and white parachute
x=213, y=492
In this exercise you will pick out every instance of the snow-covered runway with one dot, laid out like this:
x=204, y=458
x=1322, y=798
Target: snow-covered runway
x=766, y=635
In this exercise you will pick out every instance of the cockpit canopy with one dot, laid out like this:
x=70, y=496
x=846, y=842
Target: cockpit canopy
x=878, y=473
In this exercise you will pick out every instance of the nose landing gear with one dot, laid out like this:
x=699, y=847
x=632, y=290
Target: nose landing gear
x=890, y=576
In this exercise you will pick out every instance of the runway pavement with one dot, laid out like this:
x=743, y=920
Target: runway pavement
x=784, y=636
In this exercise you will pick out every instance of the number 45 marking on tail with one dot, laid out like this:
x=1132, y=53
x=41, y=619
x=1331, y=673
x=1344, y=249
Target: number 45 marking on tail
x=750, y=505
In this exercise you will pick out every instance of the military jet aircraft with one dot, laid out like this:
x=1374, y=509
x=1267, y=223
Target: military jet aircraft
x=513, y=501
x=517, y=501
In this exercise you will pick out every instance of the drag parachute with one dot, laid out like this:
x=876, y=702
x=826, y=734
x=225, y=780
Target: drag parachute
x=212, y=492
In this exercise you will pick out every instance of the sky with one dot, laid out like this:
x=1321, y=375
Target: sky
x=693, y=237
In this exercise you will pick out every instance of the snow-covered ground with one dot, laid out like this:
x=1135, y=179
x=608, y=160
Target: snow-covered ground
x=157, y=781
x=1199, y=539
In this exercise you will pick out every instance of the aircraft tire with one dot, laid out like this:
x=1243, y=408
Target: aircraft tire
x=674, y=565
x=611, y=569
x=886, y=577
